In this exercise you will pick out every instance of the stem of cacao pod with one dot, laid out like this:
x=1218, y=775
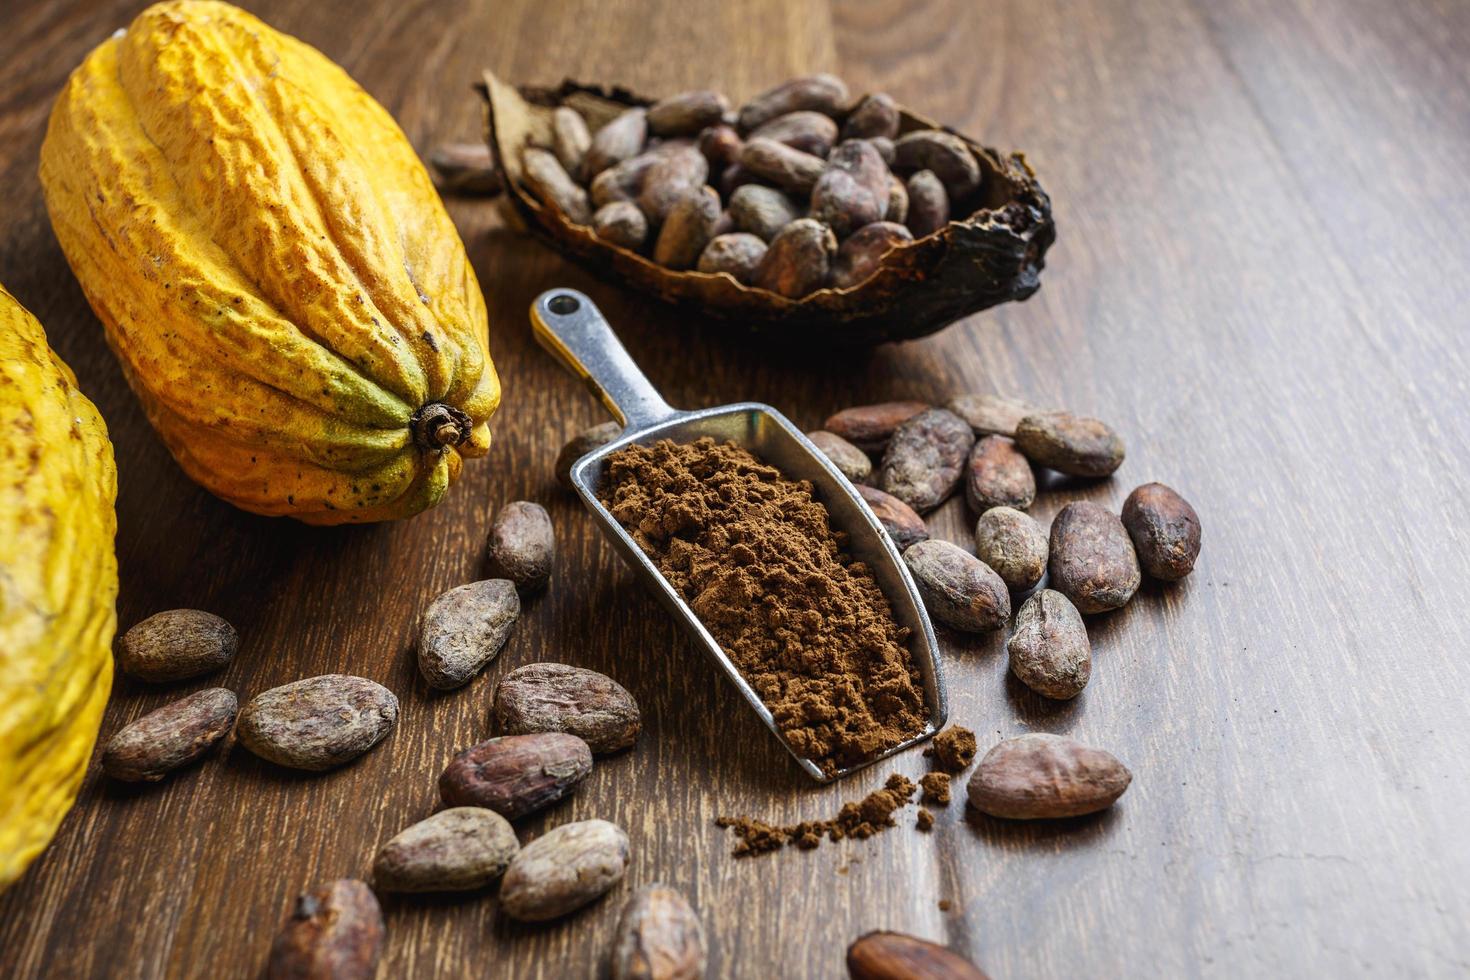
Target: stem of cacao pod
x=437, y=426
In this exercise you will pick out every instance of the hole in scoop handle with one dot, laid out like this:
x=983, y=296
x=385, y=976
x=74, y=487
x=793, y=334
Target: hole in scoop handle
x=573, y=329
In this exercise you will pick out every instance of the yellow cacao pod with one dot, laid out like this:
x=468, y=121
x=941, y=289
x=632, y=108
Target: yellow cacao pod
x=58, y=586
x=275, y=272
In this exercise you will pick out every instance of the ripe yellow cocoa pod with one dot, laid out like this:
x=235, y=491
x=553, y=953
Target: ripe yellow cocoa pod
x=276, y=274
x=58, y=586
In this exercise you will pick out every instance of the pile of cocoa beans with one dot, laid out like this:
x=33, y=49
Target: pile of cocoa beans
x=797, y=190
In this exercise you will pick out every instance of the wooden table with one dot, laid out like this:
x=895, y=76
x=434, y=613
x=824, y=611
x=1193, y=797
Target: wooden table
x=1260, y=279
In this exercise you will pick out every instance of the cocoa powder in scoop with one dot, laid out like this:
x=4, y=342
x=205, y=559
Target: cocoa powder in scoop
x=755, y=556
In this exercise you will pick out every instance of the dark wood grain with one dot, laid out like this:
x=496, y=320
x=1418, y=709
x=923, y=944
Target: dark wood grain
x=1260, y=279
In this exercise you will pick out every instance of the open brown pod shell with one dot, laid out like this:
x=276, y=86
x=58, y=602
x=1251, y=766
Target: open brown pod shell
x=993, y=254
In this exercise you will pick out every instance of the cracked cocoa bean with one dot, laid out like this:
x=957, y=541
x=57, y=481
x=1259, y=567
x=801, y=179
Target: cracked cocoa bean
x=318, y=723
x=621, y=138
x=580, y=445
x=762, y=211
x=799, y=259
x=1092, y=559
x=551, y=183
x=464, y=629
x=563, y=870
x=991, y=415
x=548, y=697
x=862, y=253
x=1165, y=531
x=738, y=254
x=658, y=937
x=809, y=132
x=894, y=956
x=1040, y=776
x=676, y=175
x=570, y=139
x=869, y=427
x=688, y=229
x=522, y=545
x=686, y=113
x=958, y=589
x=1049, y=650
x=928, y=204
x=853, y=191
x=925, y=458
x=791, y=170
x=334, y=933
x=177, y=644
x=876, y=115
x=946, y=155
x=622, y=223
x=1013, y=544
x=997, y=475
x=516, y=774
x=818, y=93
x=171, y=737
x=458, y=849
x=852, y=461
x=898, y=518
x=1071, y=444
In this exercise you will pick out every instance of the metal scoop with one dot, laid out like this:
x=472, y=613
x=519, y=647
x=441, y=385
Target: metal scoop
x=568, y=325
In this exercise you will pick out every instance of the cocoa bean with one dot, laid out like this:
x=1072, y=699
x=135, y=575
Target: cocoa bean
x=687, y=113
x=458, y=849
x=676, y=175
x=925, y=458
x=853, y=191
x=721, y=146
x=551, y=183
x=991, y=415
x=464, y=629
x=564, y=869
x=1040, y=776
x=790, y=170
x=1092, y=559
x=318, y=723
x=958, y=589
x=898, y=202
x=898, y=518
x=522, y=545
x=688, y=229
x=1049, y=650
x=658, y=937
x=997, y=475
x=548, y=697
x=894, y=956
x=170, y=737
x=570, y=139
x=734, y=177
x=177, y=644
x=876, y=115
x=862, y=253
x=1013, y=544
x=762, y=211
x=739, y=254
x=1165, y=531
x=798, y=260
x=809, y=132
x=623, y=182
x=465, y=168
x=334, y=933
x=620, y=222
x=928, y=204
x=869, y=427
x=1072, y=444
x=852, y=461
x=516, y=774
x=582, y=444
x=819, y=93
x=619, y=139
x=945, y=154
x=884, y=146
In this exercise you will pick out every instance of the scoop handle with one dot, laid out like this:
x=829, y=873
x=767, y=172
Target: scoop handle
x=573, y=329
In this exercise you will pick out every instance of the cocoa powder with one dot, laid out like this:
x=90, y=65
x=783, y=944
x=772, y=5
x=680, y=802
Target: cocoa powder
x=857, y=820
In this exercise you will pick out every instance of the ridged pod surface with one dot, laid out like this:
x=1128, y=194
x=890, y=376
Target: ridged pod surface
x=285, y=291
x=58, y=586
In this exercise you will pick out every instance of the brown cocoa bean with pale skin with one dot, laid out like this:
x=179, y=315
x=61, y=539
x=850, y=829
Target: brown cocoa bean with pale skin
x=799, y=259
x=894, y=956
x=570, y=139
x=762, y=211
x=687, y=113
x=1041, y=777
x=925, y=459
x=658, y=937
x=675, y=176
x=809, y=132
x=946, y=155
x=958, y=589
x=458, y=849
x=853, y=191
x=464, y=629
x=898, y=203
x=1012, y=543
x=869, y=427
x=875, y=116
x=791, y=170
x=862, y=253
x=1049, y=650
x=991, y=415
x=1092, y=559
x=335, y=932
x=822, y=93
x=738, y=254
x=318, y=723
x=465, y=168
x=928, y=204
x=1071, y=444
x=849, y=459
x=522, y=545
x=898, y=519
x=177, y=644
x=553, y=186
x=688, y=229
x=720, y=145
x=516, y=774
x=1165, y=531
x=580, y=445
x=621, y=223
x=621, y=138
x=563, y=870
x=549, y=697
x=997, y=475
x=171, y=737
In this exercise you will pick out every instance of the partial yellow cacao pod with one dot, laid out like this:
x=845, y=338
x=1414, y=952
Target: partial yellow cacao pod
x=58, y=586
x=274, y=269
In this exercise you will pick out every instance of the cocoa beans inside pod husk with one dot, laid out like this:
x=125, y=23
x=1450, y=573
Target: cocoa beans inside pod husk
x=990, y=252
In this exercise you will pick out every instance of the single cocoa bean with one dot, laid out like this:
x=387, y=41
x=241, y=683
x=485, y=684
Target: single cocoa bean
x=928, y=204
x=687, y=113
x=819, y=93
x=1165, y=531
x=863, y=252
x=791, y=170
x=898, y=203
x=335, y=933
x=170, y=737
x=619, y=139
x=720, y=145
x=894, y=956
x=869, y=427
x=997, y=475
x=465, y=168
x=688, y=229
x=621, y=223
x=876, y=115
x=551, y=183
x=458, y=849
x=991, y=415
x=1013, y=544
x=948, y=156
x=809, y=132
x=738, y=254
x=548, y=697
x=177, y=644
x=762, y=211
x=852, y=461
x=925, y=458
x=658, y=938
x=1092, y=559
x=522, y=545
x=624, y=181
x=570, y=139
x=798, y=260
x=318, y=723
x=1040, y=776
x=903, y=525
x=1072, y=444
x=580, y=445
x=853, y=191
x=958, y=589
x=516, y=774
x=464, y=629
x=564, y=869
x=1049, y=650
x=885, y=149
x=676, y=175
x=734, y=177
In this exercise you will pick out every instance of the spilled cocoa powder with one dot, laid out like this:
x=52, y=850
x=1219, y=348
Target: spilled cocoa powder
x=953, y=749
x=755, y=556
x=857, y=820
x=936, y=788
